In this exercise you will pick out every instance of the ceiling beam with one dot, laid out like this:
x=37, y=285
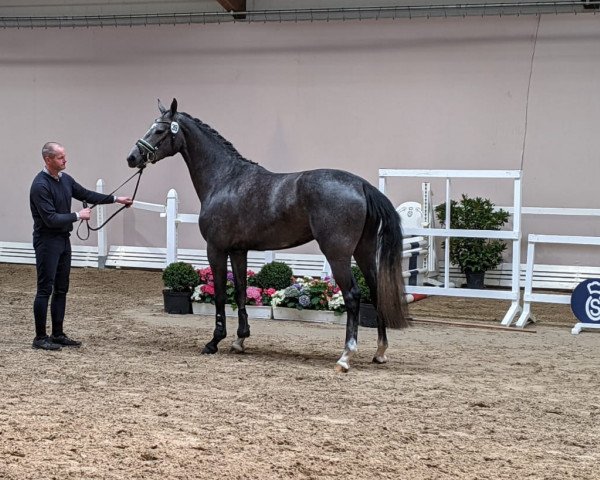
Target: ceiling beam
x=233, y=5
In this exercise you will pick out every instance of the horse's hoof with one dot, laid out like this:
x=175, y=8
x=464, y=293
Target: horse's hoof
x=380, y=360
x=238, y=346
x=341, y=368
x=209, y=350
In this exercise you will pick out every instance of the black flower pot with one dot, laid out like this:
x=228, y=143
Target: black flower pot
x=368, y=315
x=475, y=279
x=177, y=302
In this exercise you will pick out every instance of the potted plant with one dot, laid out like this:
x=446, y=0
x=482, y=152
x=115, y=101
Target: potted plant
x=309, y=299
x=258, y=300
x=273, y=275
x=474, y=256
x=179, y=279
x=368, y=313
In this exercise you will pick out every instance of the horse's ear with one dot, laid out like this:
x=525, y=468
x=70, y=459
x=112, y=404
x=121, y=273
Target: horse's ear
x=161, y=107
x=173, y=107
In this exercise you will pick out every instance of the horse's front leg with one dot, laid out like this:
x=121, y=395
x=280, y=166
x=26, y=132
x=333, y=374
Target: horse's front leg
x=239, y=264
x=218, y=264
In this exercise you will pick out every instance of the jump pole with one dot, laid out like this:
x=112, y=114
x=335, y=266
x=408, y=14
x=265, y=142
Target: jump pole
x=500, y=328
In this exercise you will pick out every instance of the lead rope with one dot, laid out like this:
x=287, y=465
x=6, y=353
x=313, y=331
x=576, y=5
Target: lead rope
x=94, y=229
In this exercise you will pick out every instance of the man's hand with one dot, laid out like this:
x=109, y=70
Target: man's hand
x=85, y=214
x=127, y=201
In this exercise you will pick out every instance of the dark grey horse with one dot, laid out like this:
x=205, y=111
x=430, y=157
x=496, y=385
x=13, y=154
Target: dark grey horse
x=246, y=207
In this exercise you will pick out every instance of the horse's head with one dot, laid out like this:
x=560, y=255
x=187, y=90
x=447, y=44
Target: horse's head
x=163, y=139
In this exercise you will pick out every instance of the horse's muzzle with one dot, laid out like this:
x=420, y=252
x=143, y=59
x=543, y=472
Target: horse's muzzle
x=134, y=159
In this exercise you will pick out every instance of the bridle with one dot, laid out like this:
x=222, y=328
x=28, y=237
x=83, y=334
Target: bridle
x=149, y=153
x=148, y=150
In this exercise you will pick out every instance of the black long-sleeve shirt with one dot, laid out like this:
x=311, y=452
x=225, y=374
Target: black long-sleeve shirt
x=50, y=202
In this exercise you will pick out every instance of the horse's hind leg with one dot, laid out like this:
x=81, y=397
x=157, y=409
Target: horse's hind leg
x=365, y=256
x=239, y=263
x=351, y=293
x=218, y=264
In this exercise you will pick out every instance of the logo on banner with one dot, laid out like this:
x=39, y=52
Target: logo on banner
x=585, y=301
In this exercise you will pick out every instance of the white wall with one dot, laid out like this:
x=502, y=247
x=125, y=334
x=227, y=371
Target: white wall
x=437, y=93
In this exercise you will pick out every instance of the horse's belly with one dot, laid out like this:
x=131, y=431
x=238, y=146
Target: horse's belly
x=278, y=238
x=278, y=244
x=247, y=235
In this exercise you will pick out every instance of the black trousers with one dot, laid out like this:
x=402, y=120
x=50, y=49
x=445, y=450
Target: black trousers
x=53, y=265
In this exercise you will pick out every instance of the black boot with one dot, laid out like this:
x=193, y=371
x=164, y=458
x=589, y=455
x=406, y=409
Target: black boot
x=44, y=343
x=65, y=341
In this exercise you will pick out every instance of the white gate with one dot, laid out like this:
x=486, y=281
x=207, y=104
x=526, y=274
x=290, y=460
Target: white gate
x=513, y=235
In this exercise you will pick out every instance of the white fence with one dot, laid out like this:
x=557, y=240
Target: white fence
x=513, y=235
x=513, y=275
x=544, y=276
x=529, y=296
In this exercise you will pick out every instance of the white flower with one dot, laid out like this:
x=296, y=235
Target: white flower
x=336, y=302
x=197, y=293
x=277, y=298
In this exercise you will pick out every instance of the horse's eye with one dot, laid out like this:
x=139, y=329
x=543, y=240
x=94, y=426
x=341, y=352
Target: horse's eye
x=160, y=131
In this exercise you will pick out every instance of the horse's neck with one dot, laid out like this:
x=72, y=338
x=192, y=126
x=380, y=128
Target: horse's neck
x=199, y=173
x=207, y=165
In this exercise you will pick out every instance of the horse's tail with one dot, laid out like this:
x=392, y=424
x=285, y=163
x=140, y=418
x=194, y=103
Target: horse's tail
x=391, y=303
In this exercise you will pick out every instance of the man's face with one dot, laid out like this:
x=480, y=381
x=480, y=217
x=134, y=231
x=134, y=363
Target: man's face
x=58, y=162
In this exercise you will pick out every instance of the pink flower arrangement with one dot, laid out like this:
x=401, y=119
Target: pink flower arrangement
x=267, y=294
x=206, y=276
x=205, y=292
x=254, y=296
x=207, y=289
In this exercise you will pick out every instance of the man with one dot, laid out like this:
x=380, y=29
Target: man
x=50, y=201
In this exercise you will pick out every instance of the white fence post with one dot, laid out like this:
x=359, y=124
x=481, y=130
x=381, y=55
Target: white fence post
x=526, y=312
x=326, y=269
x=428, y=222
x=269, y=256
x=172, y=211
x=515, y=308
x=102, y=234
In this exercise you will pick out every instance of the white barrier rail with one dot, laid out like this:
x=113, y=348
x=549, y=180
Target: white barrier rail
x=528, y=295
x=564, y=211
x=566, y=279
x=514, y=235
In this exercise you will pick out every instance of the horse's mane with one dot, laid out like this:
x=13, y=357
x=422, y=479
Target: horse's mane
x=213, y=133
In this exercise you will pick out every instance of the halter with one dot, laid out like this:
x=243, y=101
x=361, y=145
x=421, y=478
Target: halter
x=148, y=150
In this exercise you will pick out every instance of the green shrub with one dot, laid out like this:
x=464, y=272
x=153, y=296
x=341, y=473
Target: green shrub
x=277, y=275
x=180, y=277
x=474, y=255
x=365, y=293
